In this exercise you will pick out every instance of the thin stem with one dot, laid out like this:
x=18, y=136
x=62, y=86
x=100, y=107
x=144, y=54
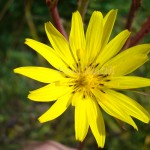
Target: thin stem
x=145, y=29
x=82, y=7
x=81, y=144
x=52, y=5
x=135, y=5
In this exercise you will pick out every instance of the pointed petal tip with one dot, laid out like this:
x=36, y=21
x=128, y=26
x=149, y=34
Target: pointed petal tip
x=127, y=31
x=41, y=120
x=147, y=119
x=79, y=139
x=146, y=45
x=48, y=24
x=101, y=144
x=76, y=12
x=27, y=40
x=101, y=141
x=135, y=127
x=29, y=97
x=114, y=10
x=45, y=25
x=15, y=70
x=96, y=12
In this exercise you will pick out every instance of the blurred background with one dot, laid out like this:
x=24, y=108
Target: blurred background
x=18, y=116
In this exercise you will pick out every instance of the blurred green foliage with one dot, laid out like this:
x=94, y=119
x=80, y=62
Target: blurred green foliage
x=18, y=116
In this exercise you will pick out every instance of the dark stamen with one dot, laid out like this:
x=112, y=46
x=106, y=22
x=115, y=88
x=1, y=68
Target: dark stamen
x=90, y=64
x=102, y=91
x=106, y=75
x=107, y=80
x=101, y=84
x=96, y=65
x=73, y=92
x=69, y=67
x=77, y=64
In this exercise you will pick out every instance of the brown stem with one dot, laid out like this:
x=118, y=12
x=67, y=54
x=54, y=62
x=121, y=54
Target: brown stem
x=135, y=5
x=82, y=7
x=81, y=144
x=145, y=29
x=133, y=9
x=52, y=5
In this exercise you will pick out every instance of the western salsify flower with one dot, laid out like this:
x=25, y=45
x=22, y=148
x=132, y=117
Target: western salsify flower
x=88, y=71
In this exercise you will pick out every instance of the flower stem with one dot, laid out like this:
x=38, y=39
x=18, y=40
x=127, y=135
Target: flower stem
x=145, y=29
x=82, y=7
x=135, y=5
x=52, y=5
x=81, y=144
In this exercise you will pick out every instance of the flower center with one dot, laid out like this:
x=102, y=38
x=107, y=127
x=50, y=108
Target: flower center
x=87, y=80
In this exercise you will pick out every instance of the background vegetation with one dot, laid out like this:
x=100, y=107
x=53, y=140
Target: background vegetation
x=18, y=116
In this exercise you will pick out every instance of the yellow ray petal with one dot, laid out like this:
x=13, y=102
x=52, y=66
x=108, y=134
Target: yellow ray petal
x=128, y=105
x=41, y=74
x=57, y=108
x=77, y=96
x=127, y=61
x=96, y=121
x=109, y=20
x=111, y=107
x=77, y=37
x=113, y=47
x=49, y=92
x=49, y=54
x=81, y=123
x=127, y=82
x=60, y=44
x=94, y=36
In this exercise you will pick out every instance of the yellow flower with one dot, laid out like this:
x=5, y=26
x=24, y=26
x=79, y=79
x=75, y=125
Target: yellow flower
x=88, y=71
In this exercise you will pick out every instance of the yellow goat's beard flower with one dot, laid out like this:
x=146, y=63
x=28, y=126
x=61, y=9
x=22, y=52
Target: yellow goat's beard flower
x=88, y=71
